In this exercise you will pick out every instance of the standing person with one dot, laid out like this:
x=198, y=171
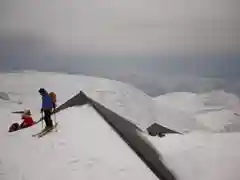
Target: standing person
x=47, y=106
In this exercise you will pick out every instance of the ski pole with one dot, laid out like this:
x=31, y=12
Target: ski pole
x=42, y=119
x=55, y=119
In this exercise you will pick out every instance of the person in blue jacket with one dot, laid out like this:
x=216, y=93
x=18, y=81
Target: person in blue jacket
x=47, y=106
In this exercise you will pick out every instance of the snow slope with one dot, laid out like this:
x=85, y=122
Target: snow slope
x=84, y=147
x=177, y=120
x=123, y=99
x=196, y=103
x=201, y=155
x=213, y=111
x=183, y=112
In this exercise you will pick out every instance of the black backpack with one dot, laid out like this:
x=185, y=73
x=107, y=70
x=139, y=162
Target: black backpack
x=14, y=127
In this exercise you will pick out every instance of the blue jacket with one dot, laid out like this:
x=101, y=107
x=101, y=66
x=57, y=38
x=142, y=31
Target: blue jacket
x=47, y=102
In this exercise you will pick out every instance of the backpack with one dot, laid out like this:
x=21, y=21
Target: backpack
x=14, y=127
x=54, y=98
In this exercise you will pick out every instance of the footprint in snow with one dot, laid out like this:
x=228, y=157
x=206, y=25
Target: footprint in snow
x=122, y=170
x=92, y=161
x=74, y=161
x=61, y=143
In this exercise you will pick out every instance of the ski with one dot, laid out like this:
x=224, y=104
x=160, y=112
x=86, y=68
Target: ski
x=18, y=112
x=34, y=135
x=45, y=131
x=48, y=131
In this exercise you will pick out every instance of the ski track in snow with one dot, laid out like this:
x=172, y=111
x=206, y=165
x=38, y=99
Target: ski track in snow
x=85, y=147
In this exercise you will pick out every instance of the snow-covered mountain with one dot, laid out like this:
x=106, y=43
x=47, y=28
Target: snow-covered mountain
x=215, y=111
x=124, y=99
x=86, y=147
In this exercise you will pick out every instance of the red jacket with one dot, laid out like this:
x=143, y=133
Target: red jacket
x=28, y=121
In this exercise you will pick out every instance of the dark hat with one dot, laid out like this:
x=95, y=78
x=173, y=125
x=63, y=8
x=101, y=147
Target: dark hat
x=41, y=90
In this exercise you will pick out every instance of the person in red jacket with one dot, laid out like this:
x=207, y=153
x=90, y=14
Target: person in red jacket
x=27, y=122
x=27, y=119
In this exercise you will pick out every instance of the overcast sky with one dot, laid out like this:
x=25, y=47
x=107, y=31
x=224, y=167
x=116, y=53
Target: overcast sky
x=119, y=27
x=87, y=36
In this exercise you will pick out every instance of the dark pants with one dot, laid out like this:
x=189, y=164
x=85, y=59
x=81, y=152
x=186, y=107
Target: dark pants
x=47, y=118
x=22, y=125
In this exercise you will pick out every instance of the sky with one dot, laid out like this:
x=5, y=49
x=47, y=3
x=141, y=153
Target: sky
x=106, y=27
x=121, y=38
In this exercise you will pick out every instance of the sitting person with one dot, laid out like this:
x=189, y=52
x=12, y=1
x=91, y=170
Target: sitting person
x=27, y=119
x=27, y=122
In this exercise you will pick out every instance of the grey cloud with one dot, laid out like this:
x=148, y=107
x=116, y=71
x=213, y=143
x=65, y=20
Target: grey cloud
x=106, y=27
